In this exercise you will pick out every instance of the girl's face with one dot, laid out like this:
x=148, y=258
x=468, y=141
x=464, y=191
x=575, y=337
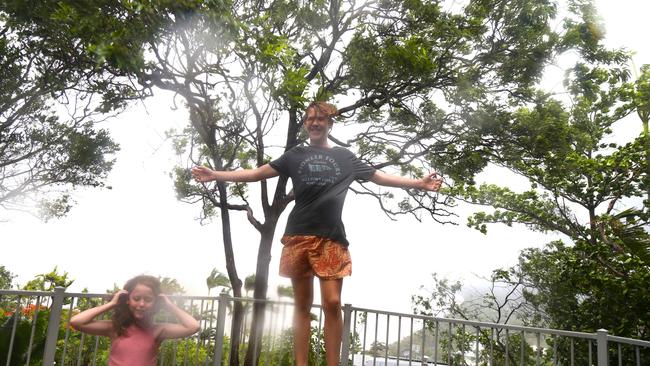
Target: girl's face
x=141, y=302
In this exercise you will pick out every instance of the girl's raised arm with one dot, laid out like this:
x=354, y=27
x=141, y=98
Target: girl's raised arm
x=86, y=322
x=187, y=326
x=205, y=174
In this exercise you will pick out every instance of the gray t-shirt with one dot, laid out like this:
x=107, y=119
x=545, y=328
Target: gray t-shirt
x=321, y=177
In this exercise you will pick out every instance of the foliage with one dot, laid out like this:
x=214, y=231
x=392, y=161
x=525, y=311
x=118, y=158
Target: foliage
x=584, y=187
x=49, y=143
x=49, y=281
x=171, y=286
x=189, y=350
x=6, y=278
x=585, y=184
x=25, y=346
x=413, y=79
x=217, y=279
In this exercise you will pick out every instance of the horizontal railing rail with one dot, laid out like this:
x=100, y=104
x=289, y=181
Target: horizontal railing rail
x=34, y=331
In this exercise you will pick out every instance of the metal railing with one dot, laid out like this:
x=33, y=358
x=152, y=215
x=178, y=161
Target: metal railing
x=34, y=331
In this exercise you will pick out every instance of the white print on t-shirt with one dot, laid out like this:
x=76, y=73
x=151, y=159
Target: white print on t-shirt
x=318, y=169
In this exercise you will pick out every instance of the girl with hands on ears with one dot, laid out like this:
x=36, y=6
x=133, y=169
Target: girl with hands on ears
x=135, y=337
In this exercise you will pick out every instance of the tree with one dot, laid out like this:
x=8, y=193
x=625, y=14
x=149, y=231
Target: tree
x=171, y=286
x=49, y=105
x=217, y=279
x=584, y=184
x=49, y=281
x=6, y=278
x=402, y=73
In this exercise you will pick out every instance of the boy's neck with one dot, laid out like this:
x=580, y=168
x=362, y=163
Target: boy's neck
x=321, y=144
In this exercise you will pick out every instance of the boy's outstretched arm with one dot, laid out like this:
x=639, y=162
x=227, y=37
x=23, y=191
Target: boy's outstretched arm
x=205, y=174
x=430, y=182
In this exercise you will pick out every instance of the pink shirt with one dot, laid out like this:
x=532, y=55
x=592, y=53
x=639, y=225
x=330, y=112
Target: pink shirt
x=137, y=347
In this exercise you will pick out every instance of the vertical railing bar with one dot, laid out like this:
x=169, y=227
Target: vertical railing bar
x=522, y=348
x=387, y=339
x=355, y=332
x=537, y=356
x=199, y=340
x=81, y=347
x=293, y=359
x=243, y=321
x=435, y=344
x=212, y=301
x=33, y=330
x=589, y=347
x=13, y=330
x=269, y=343
x=411, y=343
x=283, y=320
x=507, y=340
x=221, y=322
x=347, y=325
x=95, y=351
x=318, y=335
x=399, y=335
x=492, y=346
x=186, y=356
x=601, y=347
x=166, y=342
x=555, y=340
x=476, y=346
x=374, y=358
x=53, y=327
x=424, y=335
x=174, y=351
x=67, y=331
x=449, y=345
x=203, y=322
x=638, y=356
x=620, y=354
x=462, y=343
x=572, y=352
x=365, y=332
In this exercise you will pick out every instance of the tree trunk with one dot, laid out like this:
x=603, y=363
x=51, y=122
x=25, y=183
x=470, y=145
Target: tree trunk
x=261, y=286
x=235, y=282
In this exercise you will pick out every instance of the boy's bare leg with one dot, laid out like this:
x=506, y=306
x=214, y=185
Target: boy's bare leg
x=303, y=292
x=331, y=301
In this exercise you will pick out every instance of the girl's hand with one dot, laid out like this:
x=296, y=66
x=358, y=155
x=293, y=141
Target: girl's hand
x=432, y=182
x=116, y=297
x=165, y=301
x=202, y=174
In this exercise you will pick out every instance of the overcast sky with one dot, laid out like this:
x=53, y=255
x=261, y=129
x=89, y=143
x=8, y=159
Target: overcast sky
x=139, y=227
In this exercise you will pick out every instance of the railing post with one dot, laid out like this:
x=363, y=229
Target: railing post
x=345, y=339
x=601, y=347
x=221, y=324
x=53, y=326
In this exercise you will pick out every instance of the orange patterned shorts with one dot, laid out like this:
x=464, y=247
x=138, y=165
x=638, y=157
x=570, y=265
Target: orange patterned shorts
x=309, y=255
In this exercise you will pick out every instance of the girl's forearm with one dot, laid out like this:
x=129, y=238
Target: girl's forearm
x=87, y=316
x=185, y=319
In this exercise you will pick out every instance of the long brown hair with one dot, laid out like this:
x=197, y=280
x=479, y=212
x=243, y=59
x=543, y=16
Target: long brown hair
x=122, y=316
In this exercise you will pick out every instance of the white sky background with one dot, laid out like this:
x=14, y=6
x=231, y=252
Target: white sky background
x=140, y=227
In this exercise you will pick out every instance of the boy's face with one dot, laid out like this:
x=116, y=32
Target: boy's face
x=317, y=124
